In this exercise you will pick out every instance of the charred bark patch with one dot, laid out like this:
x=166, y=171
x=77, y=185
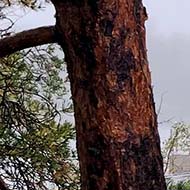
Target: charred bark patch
x=139, y=166
x=93, y=5
x=145, y=13
x=114, y=50
x=101, y=162
x=107, y=22
x=121, y=61
x=107, y=27
x=140, y=12
x=96, y=144
x=83, y=126
x=77, y=3
x=111, y=186
x=137, y=9
x=124, y=32
x=96, y=148
x=84, y=84
x=110, y=98
x=93, y=98
x=93, y=182
x=124, y=66
x=86, y=51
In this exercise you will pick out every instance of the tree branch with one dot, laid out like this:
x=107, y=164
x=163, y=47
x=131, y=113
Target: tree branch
x=27, y=39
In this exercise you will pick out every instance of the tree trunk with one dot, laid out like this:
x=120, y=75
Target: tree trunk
x=117, y=137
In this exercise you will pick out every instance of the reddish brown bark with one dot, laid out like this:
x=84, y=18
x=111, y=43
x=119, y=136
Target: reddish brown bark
x=117, y=137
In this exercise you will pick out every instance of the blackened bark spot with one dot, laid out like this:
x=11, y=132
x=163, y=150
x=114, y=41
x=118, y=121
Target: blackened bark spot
x=94, y=151
x=96, y=144
x=77, y=3
x=145, y=166
x=110, y=186
x=93, y=98
x=93, y=5
x=124, y=32
x=124, y=66
x=145, y=13
x=137, y=10
x=92, y=183
x=107, y=22
x=84, y=84
x=108, y=28
x=95, y=148
x=115, y=50
x=110, y=98
x=121, y=60
x=83, y=126
x=87, y=52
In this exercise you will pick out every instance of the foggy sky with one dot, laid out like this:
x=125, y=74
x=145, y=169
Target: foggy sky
x=168, y=43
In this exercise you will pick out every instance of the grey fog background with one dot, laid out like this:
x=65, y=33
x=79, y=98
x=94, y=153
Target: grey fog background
x=168, y=43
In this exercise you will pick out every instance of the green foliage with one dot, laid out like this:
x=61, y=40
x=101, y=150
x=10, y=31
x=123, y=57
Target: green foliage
x=181, y=132
x=35, y=150
x=182, y=185
x=179, y=140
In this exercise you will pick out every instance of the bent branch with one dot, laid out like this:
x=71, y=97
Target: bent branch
x=27, y=39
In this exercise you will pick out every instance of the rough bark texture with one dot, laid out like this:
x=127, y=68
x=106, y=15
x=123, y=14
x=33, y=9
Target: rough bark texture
x=117, y=137
x=104, y=44
x=27, y=39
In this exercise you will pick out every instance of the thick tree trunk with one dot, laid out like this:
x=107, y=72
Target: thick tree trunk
x=117, y=137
